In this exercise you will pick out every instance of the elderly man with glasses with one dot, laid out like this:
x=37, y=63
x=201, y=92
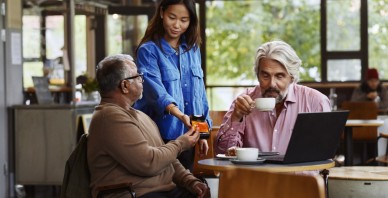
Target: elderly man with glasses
x=124, y=144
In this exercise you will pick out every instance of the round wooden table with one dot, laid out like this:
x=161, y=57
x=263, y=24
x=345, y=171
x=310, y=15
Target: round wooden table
x=358, y=181
x=225, y=164
x=216, y=164
x=348, y=135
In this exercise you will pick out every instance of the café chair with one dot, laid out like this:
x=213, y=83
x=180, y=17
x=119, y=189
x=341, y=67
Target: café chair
x=383, y=158
x=200, y=172
x=362, y=111
x=216, y=117
x=76, y=180
x=105, y=191
x=365, y=135
x=250, y=183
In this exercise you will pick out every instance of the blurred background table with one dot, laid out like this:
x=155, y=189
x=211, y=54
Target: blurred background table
x=348, y=135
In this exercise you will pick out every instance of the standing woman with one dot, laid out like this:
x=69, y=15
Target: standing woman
x=170, y=59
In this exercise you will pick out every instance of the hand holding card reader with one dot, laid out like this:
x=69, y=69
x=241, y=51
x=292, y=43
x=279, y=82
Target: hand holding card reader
x=200, y=122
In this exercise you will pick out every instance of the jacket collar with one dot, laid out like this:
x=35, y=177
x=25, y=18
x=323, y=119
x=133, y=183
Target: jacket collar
x=168, y=50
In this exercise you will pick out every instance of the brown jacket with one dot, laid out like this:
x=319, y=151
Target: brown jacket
x=126, y=146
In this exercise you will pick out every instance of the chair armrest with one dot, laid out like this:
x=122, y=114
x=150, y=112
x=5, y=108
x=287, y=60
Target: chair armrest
x=104, y=190
x=384, y=135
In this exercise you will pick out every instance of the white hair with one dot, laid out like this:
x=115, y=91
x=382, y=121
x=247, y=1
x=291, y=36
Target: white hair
x=281, y=52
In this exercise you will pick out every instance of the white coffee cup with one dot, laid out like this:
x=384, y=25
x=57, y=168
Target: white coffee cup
x=265, y=104
x=247, y=154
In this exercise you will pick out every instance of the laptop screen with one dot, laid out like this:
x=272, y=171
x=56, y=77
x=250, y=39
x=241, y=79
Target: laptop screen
x=315, y=136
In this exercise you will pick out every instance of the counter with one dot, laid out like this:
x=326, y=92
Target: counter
x=44, y=137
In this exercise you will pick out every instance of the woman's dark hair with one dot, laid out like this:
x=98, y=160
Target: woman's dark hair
x=155, y=30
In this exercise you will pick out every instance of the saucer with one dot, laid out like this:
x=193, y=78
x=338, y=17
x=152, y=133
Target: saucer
x=223, y=156
x=258, y=161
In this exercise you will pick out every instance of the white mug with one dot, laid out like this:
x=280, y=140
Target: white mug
x=265, y=104
x=247, y=154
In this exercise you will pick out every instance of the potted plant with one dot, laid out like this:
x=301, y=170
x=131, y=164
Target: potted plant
x=89, y=86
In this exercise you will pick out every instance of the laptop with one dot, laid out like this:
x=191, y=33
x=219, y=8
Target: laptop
x=42, y=91
x=315, y=137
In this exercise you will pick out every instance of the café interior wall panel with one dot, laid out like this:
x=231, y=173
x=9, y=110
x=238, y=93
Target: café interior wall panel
x=60, y=127
x=14, y=68
x=30, y=147
x=3, y=124
x=14, y=18
x=45, y=136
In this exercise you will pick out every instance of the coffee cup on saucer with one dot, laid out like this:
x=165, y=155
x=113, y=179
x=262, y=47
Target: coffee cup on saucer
x=247, y=154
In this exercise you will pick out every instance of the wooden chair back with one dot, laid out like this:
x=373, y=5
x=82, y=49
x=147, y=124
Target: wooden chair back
x=204, y=172
x=250, y=183
x=217, y=117
x=362, y=110
x=76, y=181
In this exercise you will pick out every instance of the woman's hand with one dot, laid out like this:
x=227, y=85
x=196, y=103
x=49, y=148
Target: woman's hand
x=186, y=120
x=203, y=147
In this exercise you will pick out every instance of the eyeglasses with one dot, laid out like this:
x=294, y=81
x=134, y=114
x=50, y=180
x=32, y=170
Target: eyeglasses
x=136, y=76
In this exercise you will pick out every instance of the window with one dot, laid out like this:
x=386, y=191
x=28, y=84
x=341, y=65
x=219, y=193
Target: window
x=336, y=40
x=344, y=70
x=378, y=40
x=345, y=51
x=125, y=33
x=343, y=25
x=46, y=59
x=234, y=30
x=32, y=65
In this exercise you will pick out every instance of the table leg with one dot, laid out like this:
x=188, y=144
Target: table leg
x=325, y=176
x=348, y=141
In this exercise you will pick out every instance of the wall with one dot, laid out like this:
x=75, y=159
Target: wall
x=11, y=86
x=3, y=126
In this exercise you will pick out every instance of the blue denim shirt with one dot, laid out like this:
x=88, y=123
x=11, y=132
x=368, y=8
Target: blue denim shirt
x=171, y=77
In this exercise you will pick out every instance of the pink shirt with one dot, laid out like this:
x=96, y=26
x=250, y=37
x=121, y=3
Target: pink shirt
x=264, y=130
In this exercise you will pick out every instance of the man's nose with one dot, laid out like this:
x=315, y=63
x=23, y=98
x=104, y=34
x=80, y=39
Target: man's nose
x=273, y=81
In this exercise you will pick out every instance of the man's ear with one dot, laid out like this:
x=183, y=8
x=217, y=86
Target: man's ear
x=124, y=86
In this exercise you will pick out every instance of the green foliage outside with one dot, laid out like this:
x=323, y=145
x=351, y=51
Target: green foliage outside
x=377, y=36
x=236, y=28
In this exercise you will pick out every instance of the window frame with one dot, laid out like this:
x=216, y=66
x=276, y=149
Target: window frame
x=361, y=54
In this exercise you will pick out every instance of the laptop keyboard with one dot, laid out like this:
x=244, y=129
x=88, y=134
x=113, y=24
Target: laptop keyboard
x=274, y=157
